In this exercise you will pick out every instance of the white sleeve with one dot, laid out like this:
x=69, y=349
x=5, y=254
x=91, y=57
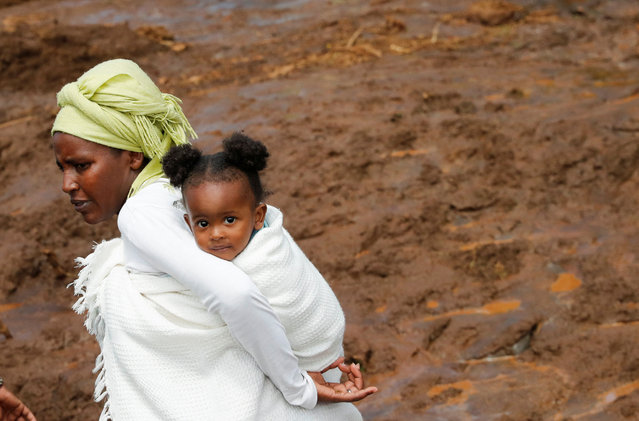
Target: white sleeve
x=167, y=245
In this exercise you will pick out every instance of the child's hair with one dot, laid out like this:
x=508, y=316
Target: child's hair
x=242, y=156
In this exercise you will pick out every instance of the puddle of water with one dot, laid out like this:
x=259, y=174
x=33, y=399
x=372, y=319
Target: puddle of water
x=26, y=321
x=514, y=363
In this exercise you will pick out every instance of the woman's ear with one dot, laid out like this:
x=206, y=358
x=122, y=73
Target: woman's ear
x=260, y=214
x=136, y=160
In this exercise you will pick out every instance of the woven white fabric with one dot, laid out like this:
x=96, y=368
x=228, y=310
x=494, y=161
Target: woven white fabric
x=298, y=293
x=165, y=357
x=157, y=240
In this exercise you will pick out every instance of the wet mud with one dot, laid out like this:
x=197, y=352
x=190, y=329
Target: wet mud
x=463, y=173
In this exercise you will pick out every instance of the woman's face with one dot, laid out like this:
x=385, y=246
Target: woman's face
x=97, y=178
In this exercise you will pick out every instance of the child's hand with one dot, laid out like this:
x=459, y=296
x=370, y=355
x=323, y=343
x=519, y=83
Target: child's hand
x=350, y=391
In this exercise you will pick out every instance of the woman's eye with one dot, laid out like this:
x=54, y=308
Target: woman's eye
x=202, y=224
x=229, y=219
x=81, y=167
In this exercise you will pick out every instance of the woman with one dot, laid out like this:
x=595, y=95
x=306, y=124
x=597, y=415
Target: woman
x=213, y=328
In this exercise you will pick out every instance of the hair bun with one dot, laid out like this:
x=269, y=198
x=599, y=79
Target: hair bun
x=245, y=153
x=178, y=163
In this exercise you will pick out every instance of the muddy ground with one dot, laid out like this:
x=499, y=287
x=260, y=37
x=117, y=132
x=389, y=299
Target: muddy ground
x=464, y=174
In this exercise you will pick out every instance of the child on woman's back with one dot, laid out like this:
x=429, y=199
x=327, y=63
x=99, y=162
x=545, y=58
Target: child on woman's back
x=223, y=197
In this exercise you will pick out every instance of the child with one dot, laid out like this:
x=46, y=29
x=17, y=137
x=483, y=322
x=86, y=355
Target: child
x=223, y=198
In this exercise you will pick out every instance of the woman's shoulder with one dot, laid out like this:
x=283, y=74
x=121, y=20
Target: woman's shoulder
x=155, y=202
x=157, y=194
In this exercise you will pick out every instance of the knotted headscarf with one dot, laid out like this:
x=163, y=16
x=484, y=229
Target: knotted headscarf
x=116, y=104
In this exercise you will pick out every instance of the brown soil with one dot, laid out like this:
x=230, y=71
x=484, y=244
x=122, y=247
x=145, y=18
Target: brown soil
x=464, y=174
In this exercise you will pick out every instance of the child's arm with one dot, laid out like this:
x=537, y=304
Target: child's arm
x=162, y=238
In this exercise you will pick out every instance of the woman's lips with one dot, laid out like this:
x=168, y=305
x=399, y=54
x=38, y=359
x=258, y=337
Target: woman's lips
x=80, y=205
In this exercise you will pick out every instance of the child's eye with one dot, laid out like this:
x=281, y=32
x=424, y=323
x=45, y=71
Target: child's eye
x=229, y=219
x=202, y=224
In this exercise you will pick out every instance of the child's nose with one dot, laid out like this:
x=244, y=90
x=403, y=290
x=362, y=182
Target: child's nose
x=217, y=233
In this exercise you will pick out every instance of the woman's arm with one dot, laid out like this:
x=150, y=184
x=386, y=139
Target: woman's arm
x=158, y=234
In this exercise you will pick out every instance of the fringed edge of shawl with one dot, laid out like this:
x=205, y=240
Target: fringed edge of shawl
x=88, y=289
x=88, y=286
x=100, y=393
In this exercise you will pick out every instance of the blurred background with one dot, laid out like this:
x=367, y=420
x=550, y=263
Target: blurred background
x=462, y=172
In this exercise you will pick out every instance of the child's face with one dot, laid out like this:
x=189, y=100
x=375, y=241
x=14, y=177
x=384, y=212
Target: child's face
x=222, y=216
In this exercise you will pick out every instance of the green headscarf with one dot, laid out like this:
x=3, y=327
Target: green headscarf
x=116, y=104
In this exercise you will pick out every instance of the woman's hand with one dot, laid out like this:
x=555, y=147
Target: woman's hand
x=12, y=409
x=350, y=391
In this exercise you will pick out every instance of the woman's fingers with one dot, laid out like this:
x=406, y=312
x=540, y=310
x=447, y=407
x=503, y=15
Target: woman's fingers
x=354, y=375
x=27, y=415
x=336, y=392
x=337, y=363
x=358, y=378
x=338, y=387
x=348, y=369
x=350, y=390
x=18, y=413
x=361, y=394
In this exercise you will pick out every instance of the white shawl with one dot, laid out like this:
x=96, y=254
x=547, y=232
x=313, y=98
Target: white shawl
x=164, y=357
x=299, y=295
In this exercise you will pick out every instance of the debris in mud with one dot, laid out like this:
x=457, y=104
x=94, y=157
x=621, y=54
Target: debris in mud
x=492, y=261
x=4, y=331
x=394, y=25
x=434, y=331
x=494, y=12
x=162, y=36
x=437, y=102
x=466, y=107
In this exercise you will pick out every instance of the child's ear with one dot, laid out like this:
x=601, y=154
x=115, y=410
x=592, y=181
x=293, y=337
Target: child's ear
x=188, y=221
x=260, y=214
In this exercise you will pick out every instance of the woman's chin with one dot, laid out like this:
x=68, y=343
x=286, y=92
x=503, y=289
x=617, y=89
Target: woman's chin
x=92, y=218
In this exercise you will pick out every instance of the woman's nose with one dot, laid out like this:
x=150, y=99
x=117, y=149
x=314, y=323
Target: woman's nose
x=69, y=183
